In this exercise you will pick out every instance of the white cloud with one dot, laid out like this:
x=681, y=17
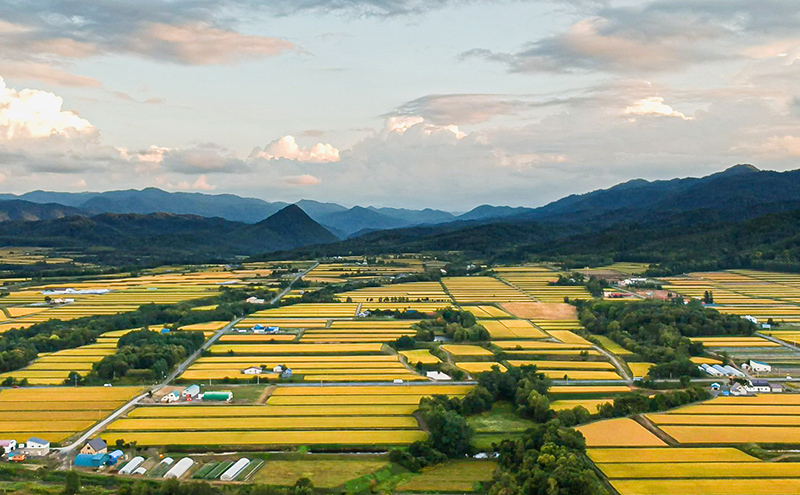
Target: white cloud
x=287, y=148
x=301, y=180
x=403, y=124
x=654, y=106
x=201, y=184
x=31, y=113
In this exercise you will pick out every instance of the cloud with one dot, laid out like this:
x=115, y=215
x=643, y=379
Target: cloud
x=201, y=184
x=203, y=158
x=781, y=146
x=301, y=180
x=202, y=44
x=661, y=36
x=191, y=33
x=653, y=106
x=286, y=148
x=45, y=73
x=31, y=113
x=417, y=124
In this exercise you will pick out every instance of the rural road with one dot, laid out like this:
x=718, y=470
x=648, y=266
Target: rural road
x=175, y=373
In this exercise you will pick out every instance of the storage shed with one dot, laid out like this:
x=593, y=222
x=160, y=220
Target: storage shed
x=36, y=447
x=91, y=460
x=218, y=396
x=191, y=392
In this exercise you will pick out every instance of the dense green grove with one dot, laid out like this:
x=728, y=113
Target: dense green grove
x=659, y=332
x=150, y=353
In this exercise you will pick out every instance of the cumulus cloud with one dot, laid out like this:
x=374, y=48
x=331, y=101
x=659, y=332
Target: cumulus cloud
x=286, y=148
x=31, y=113
x=653, y=106
x=781, y=146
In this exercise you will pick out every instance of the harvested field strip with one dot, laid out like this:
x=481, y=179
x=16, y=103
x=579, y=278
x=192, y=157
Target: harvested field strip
x=588, y=390
x=724, y=420
x=672, y=470
x=254, y=349
x=565, y=365
x=591, y=405
x=364, y=378
x=553, y=352
x=581, y=374
x=722, y=435
x=260, y=423
x=568, y=337
x=306, y=365
x=257, y=338
x=672, y=455
x=785, y=486
x=52, y=425
x=61, y=406
x=479, y=366
x=423, y=356
x=88, y=415
x=534, y=345
x=68, y=394
x=379, y=390
x=267, y=438
x=345, y=400
x=787, y=399
x=268, y=411
x=466, y=350
x=709, y=409
x=298, y=359
x=620, y=432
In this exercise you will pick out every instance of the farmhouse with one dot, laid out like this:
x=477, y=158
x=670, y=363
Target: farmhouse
x=8, y=445
x=253, y=370
x=36, y=447
x=95, y=446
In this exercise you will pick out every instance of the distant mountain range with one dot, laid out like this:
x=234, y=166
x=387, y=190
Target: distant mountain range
x=618, y=221
x=344, y=222
x=167, y=235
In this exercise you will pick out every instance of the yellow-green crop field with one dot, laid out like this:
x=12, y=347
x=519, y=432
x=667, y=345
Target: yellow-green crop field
x=733, y=435
x=453, y=476
x=464, y=350
x=269, y=438
x=264, y=423
x=564, y=365
x=725, y=419
x=620, y=432
x=671, y=455
x=56, y=414
x=202, y=411
x=479, y=366
x=512, y=329
x=581, y=374
x=423, y=356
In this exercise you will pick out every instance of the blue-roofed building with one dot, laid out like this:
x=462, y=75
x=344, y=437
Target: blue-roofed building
x=91, y=460
x=114, y=456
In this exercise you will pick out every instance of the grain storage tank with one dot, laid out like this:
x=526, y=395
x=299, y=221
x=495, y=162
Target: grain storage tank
x=180, y=468
x=232, y=472
x=131, y=465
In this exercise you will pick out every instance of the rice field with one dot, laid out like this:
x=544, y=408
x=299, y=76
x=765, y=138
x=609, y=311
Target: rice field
x=564, y=365
x=788, y=486
x=479, y=366
x=330, y=415
x=56, y=414
x=671, y=455
x=512, y=329
x=482, y=290
x=591, y=405
x=423, y=356
x=464, y=350
x=453, y=476
x=580, y=375
x=620, y=432
x=640, y=370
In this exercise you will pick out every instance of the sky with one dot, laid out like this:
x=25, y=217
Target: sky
x=408, y=103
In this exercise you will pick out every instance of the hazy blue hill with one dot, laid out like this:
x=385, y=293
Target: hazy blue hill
x=15, y=209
